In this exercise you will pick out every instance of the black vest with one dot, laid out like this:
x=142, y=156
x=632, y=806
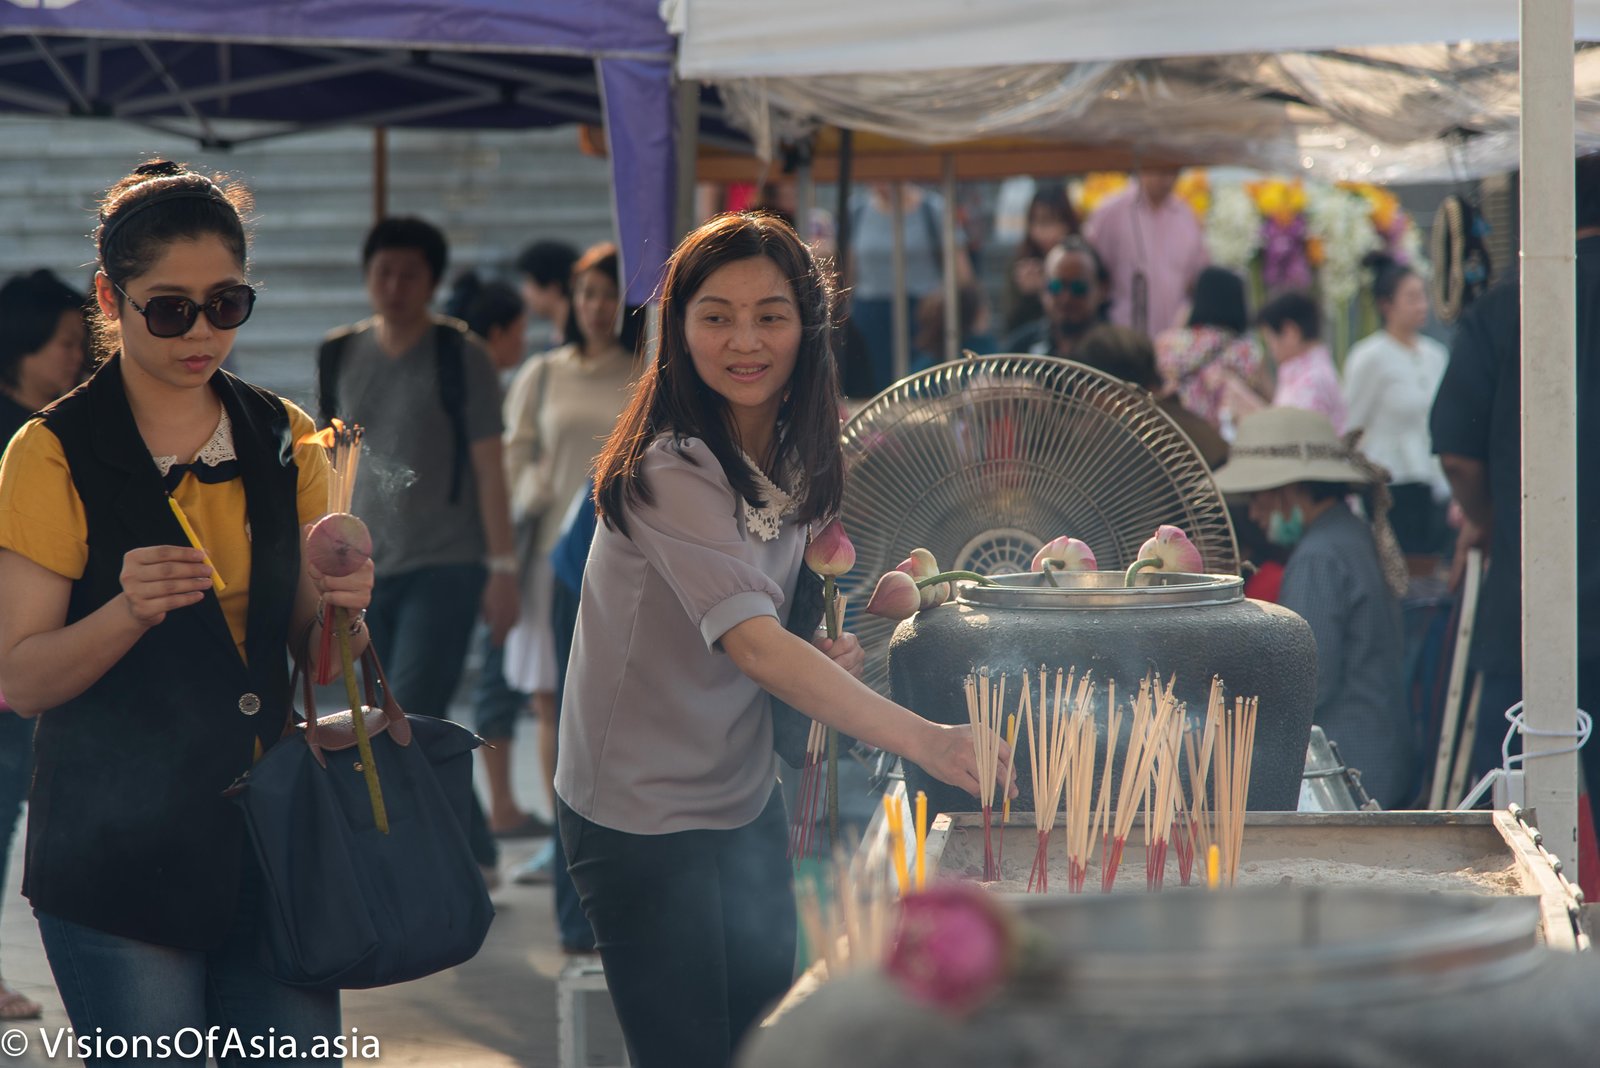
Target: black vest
x=128, y=831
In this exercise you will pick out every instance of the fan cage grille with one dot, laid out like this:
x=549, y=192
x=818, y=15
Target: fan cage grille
x=984, y=460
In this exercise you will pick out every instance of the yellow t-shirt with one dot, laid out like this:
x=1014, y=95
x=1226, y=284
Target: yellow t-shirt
x=42, y=518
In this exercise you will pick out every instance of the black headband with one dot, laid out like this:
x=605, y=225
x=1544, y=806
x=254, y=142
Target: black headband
x=182, y=192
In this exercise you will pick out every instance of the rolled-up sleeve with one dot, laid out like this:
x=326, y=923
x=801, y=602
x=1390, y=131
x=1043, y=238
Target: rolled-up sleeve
x=691, y=535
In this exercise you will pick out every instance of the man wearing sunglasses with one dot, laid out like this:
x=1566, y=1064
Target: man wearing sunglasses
x=1075, y=292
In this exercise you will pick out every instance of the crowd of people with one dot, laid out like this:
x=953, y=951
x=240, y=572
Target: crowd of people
x=623, y=531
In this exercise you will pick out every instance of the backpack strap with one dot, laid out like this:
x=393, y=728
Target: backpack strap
x=449, y=350
x=329, y=356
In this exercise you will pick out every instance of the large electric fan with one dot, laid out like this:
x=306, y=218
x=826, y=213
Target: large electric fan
x=984, y=460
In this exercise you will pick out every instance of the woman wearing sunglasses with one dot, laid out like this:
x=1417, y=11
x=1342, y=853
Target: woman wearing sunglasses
x=152, y=659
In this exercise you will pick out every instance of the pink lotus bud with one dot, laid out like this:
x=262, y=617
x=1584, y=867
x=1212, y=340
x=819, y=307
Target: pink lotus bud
x=955, y=946
x=1173, y=548
x=339, y=545
x=896, y=596
x=1066, y=554
x=830, y=553
x=920, y=565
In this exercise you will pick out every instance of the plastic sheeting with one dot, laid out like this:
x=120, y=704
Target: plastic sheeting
x=1391, y=114
x=781, y=39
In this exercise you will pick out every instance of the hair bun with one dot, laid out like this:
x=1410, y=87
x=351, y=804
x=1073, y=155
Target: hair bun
x=159, y=168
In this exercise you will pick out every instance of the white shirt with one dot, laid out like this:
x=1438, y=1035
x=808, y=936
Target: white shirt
x=1389, y=389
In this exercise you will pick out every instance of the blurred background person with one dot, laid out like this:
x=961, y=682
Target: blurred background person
x=1125, y=353
x=43, y=350
x=870, y=272
x=1154, y=247
x=560, y=409
x=927, y=340
x=1077, y=295
x=1390, y=380
x=1344, y=576
x=1214, y=364
x=1050, y=221
x=1292, y=325
x=546, y=270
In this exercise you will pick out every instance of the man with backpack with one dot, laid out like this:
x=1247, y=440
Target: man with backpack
x=432, y=487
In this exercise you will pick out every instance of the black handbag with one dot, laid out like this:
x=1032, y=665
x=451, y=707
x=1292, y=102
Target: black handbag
x=346, y=905
x=791, y=727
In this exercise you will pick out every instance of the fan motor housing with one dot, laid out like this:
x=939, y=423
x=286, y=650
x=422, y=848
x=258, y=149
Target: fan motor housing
x=1192, y=627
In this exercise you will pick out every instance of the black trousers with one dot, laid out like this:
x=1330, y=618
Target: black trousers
x=696, y=931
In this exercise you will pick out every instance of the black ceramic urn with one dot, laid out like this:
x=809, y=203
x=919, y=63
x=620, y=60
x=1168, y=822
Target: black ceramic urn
x=1193, y=627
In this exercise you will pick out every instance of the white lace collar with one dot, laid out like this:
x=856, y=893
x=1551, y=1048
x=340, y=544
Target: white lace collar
x=214, y=453
x=766, y=522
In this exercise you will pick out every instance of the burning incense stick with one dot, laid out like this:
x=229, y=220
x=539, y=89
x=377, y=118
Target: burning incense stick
x=985, y=698
x=849, y=928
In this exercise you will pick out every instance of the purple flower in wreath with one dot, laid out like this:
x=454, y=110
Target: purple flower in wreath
x=1283, y=255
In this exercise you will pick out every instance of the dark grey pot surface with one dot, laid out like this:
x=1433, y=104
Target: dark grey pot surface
x=1194, y=626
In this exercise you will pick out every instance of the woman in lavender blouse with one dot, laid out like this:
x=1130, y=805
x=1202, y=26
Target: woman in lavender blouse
x=673, y=827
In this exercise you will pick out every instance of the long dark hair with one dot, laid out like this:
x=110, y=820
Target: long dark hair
x=1219, y=301
x=1052, y=197
x=672, y=399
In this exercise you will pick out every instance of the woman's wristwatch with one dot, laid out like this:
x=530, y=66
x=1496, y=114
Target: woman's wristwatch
x=504, y=564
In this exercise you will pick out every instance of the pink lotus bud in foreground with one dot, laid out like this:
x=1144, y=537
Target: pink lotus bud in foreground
x=955, y=947
x=896, y=596
x=830, y=553
x=921, y=565
x=338, y=545
x=1172, y=547
x=1065, y=554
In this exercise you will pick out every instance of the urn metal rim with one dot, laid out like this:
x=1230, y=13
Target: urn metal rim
x=1102, y=590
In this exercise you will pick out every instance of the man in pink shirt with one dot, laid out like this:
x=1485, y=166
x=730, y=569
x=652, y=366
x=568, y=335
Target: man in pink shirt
x=1154, y=247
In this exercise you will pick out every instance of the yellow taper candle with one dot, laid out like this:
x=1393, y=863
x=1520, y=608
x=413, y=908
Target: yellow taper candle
x=922, y=840
x=194, y=540
x=1213, y=867
x=1011, y=772
x=897, y=842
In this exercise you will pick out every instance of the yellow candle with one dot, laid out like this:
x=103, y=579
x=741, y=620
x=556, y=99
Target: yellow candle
x=1213, y=867
x=1011, y=772
x=922, y=840
x=194, y=540
x=897, y=843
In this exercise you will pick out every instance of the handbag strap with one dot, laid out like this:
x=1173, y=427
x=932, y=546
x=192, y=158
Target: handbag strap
x=373, y=679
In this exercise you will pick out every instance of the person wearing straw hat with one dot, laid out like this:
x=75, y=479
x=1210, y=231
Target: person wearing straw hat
x=1344, y=577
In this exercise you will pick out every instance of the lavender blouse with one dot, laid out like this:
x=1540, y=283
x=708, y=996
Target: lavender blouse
x=660, y=731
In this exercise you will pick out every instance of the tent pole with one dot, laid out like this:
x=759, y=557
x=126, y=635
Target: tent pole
x=841, y=216
x=901, y=314
x=380, y=173
x=952, y=279
x=1549, y=425
x=805, y=191
x=687, y=106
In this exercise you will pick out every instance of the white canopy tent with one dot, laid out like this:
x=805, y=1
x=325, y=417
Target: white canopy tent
x=948, y=70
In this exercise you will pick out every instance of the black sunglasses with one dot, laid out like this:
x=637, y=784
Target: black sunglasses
x=1077, y=287
x=175, y=316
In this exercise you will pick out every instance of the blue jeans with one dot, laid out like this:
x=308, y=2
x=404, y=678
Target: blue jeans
x=572, y=925
x=421, y=624
x=495, y=705
x=16, y=772
x=121, y=987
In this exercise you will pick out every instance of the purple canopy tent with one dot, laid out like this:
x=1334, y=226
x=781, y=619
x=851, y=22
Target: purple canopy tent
x=225, y=74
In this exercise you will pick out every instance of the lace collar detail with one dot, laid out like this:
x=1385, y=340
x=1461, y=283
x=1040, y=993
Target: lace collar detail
x=766, y=522
x=214, y=453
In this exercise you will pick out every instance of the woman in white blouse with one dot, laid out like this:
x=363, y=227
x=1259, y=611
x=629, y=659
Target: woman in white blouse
x=1389, y=382
x=673, y=825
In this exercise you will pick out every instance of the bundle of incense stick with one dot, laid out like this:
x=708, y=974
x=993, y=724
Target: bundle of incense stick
x=805, y=813
x=1082, y=820
x=1160, y=812
x=1230, y=782
x=1057, y=752
x=851, y=925
x=343, y=442
x=1153, y=710
x=985, y=699
x=1197, y=744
